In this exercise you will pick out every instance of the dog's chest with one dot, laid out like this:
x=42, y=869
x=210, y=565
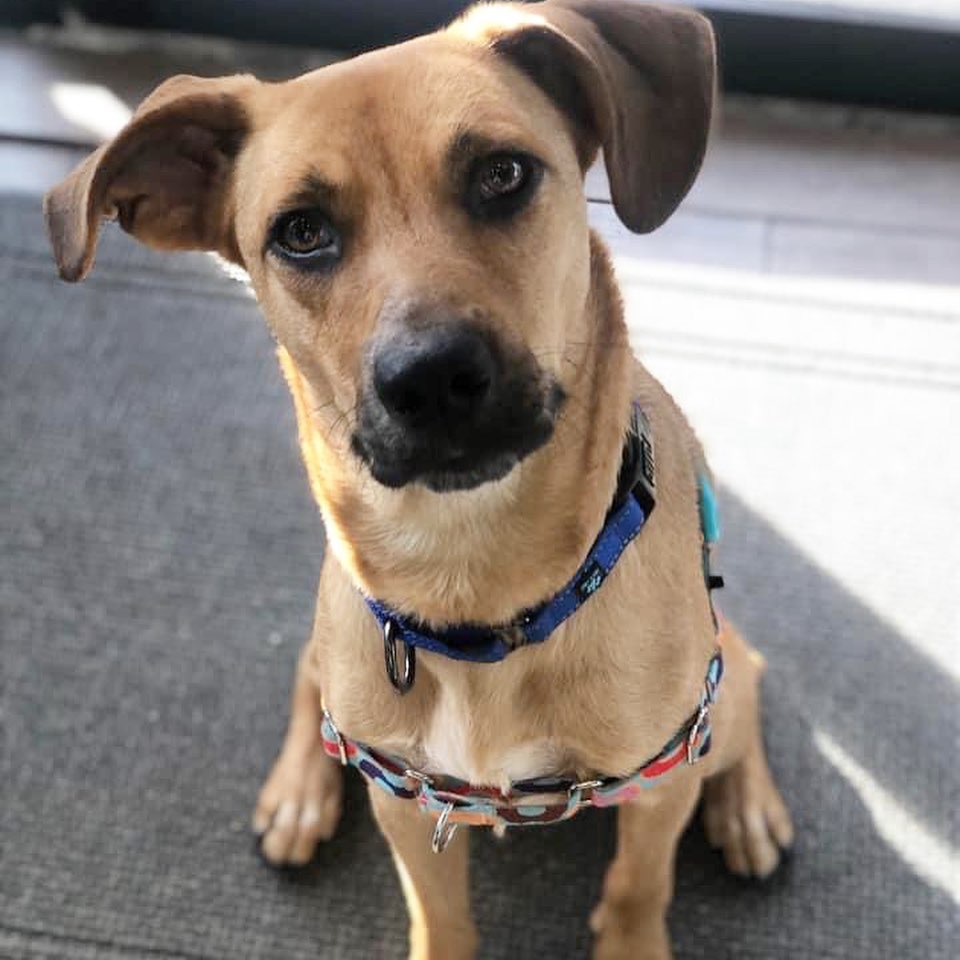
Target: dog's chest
x=453, y=745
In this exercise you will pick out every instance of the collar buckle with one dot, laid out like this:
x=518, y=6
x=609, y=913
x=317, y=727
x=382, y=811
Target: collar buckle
x=638, y=472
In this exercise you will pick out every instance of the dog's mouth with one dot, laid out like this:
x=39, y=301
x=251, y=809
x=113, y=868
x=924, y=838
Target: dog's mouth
x=463, y=456
x=442, y=476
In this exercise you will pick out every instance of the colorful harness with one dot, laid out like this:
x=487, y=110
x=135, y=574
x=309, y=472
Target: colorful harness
x=533, y=802
x=541, y=800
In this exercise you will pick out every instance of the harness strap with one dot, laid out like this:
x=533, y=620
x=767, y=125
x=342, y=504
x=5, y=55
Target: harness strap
x=529, y=802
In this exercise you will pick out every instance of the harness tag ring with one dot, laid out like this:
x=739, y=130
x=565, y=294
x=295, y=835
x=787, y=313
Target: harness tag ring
x=401, y=681
x=443, y=831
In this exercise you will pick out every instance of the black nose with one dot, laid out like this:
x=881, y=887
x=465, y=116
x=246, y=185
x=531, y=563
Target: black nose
x=430, y=377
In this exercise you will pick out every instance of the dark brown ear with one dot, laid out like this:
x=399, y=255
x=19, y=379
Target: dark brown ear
x=635, y=78
x=166, y=176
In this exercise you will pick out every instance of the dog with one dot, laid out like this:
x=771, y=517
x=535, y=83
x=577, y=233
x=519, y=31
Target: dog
x=489, y=457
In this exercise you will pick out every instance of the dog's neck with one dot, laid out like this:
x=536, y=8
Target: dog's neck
x=484, y=555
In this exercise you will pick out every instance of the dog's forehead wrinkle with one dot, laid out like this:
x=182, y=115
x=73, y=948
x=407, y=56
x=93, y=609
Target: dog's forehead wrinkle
x=474, y=138
x=314, y=188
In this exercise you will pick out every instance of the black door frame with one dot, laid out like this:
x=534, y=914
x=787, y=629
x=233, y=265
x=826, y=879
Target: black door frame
x=787, y=50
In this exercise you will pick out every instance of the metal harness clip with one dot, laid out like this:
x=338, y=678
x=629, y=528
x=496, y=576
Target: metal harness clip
x=422, y=778
x=696, y=729
x=341, y=745
x=443, y=831
x=583, y=785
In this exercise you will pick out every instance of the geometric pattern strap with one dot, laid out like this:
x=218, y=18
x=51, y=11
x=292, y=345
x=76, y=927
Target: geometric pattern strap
x=529, y=802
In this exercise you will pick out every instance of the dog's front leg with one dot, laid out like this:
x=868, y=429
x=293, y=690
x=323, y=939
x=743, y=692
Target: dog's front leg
x=301, y=800
x=435, y=885
x=630, y=920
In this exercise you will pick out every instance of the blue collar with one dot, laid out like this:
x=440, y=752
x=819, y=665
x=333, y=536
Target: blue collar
x=479, y=643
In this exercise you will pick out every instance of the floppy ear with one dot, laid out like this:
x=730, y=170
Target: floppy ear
x=635, y=78
x=166, y=176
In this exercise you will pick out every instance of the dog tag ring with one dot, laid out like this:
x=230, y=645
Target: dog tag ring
x=402, y=679
x=443, y=831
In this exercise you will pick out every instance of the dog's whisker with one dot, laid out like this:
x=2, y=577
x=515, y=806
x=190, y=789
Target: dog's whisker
x=596, y=345
x=322, y=406
x=343, y=419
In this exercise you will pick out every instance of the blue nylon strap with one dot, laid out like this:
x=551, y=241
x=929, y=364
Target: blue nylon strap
x=465, y=642
x=484, y=644
x=622, y=527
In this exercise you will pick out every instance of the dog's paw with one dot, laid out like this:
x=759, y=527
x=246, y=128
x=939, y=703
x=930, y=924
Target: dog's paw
x=745, y=817
x=299, y=806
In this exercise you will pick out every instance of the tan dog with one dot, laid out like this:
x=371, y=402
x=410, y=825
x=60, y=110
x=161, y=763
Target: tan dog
x=414, y=226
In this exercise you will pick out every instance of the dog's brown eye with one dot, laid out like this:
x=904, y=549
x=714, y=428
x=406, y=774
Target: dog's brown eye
x=500, y=175
x=305, y=235
x=501, y=184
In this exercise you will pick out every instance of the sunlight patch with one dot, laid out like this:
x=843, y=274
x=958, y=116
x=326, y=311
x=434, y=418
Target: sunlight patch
x=931, y=858
x=91, y=106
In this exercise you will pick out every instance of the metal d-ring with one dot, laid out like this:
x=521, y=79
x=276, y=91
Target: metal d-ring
x=696, y=730
x=341, y=744
x=444, y=830
x=392, y=638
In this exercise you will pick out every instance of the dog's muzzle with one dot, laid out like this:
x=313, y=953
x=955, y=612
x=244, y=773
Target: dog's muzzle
x=447, y=406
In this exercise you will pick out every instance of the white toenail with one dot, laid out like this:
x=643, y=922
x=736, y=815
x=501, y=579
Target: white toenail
x=286, y=815
x=755, y=822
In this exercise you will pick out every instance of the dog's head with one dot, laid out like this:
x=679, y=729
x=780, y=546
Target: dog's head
x=413, y=220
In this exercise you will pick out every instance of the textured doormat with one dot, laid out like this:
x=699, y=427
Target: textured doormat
x=158, y=556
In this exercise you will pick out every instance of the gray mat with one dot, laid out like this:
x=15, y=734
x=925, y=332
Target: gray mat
x=158, y=551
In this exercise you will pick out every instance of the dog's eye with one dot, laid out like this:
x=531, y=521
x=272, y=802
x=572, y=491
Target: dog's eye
x=501, y=184
x=499, y=176
x=305, y=235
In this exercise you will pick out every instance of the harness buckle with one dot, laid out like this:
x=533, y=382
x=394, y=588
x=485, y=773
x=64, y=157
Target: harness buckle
x=422, y=778
x=582, y=785
x=443, y=831
x=392, y=638
x=696, y=729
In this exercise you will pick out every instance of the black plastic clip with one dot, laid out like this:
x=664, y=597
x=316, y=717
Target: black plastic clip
x=638, y=472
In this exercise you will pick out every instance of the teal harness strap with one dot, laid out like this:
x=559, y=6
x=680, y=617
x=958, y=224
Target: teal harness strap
x=709, y=514
x=710, y=527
